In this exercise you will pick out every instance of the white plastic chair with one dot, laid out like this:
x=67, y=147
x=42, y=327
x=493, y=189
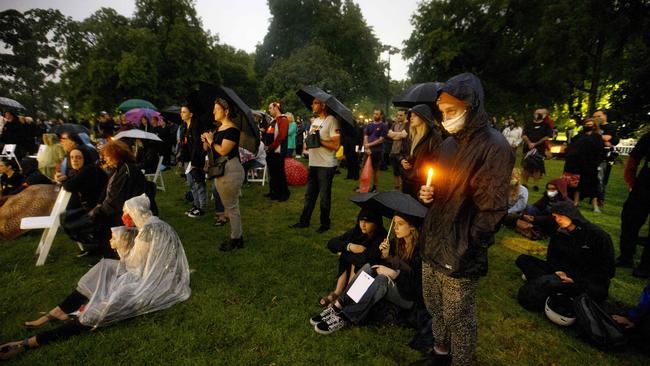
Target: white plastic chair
x=9, y=152
x=256, y=172
x=50, y=223
x=157, y=177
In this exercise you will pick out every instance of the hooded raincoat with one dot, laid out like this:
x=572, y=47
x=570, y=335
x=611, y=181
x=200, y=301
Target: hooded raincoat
x=152, y=273
x=471, y=189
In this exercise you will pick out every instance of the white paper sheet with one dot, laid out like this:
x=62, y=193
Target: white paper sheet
x=360, y=286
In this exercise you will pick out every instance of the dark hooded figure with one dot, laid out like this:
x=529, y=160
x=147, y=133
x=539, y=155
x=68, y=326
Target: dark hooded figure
x=420, y=149
x=31, y=173
x=357, y=247
x=539, y=213
x=468, y=199
x=580, y=259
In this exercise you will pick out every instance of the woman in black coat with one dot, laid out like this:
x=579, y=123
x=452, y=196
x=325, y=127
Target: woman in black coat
x=583, y=156
x=86, y=180
x=420, y=149
x=357, y=247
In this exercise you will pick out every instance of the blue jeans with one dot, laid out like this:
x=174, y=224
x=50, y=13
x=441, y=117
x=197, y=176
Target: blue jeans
x=198, y=191
x=218, y=205
x=319, y=182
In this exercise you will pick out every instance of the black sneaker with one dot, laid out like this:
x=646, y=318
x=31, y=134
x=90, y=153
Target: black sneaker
x=322, y=229
x=624, y=262
x=323, y=314
x=196, y=212
x=298, y=225
x=190, y=210
x=330, y=324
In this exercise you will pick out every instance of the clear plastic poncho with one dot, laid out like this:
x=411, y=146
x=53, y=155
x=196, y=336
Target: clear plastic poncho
x=152, y=273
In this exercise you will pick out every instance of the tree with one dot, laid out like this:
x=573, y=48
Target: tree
x=29, y=68
x=336, y=27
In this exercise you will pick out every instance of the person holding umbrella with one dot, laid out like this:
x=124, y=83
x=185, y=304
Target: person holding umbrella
x=322, y=165
x=225, y=143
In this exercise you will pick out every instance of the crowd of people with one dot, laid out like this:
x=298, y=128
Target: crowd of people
x=426, y=277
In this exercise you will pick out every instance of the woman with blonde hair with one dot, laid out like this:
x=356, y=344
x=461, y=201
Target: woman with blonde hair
x=52, y=156
x=419, y=149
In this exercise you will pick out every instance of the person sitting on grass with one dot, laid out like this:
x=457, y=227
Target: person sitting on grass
x=539, y=213
x=580, y=259
x=637, y=321
x=152, y=274
x=356, y=247
x=517, y=199
x=397, y=279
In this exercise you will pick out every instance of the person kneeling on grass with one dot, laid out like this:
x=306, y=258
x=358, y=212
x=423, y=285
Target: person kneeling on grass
x=398, y=279
x=152, y=274
x=357, y=247
x=580, y=259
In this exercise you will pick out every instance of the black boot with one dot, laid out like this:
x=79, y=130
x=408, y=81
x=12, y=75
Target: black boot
x=231, y=244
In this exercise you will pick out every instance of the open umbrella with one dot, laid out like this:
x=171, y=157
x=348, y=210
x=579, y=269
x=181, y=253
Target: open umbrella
x=391, y=203
x=172, y=113
x=7, y=102
x=243, y=117
x=422, y=93
x=69, y=128
x=136, y=103
x=135, y=115
x=308, y=93
x=137, y=134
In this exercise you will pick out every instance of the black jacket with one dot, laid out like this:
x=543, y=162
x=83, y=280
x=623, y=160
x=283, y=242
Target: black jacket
x=425, y=153
x=192, y=147
x=585, y=254
x=471, y=189
x=88, y=184
x=127, y=182
x=409, y=281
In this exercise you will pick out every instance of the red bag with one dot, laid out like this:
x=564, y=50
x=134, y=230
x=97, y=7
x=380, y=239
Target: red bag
x=366, y=176
x=572, y=180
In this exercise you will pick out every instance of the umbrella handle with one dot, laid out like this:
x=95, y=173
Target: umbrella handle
x=390, y=228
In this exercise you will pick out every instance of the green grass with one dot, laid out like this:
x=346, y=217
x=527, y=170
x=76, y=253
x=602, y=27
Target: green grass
x=252, y=306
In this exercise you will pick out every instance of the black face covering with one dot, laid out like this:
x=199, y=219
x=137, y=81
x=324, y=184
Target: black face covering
x=588, y=128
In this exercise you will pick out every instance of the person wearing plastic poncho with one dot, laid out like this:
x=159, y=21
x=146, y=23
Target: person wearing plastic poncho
x=152, y=274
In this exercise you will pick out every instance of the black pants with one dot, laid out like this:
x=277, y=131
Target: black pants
x=319, y=182
x=633, y=217
x=351, y=161
x=71, y=327
x=541, y=277
x=277, y=176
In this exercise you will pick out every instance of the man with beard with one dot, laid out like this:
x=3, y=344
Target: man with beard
x=322, y=164
x=469, y=200
x=373, y=143
x=276, y=151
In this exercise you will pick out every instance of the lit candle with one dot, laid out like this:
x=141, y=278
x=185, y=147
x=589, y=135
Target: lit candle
x=430, y=177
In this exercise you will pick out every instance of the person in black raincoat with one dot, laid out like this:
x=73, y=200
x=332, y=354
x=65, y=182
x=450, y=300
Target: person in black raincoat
x=580, y=258
x=418, y=153
x=357, y=247
x=468, y=199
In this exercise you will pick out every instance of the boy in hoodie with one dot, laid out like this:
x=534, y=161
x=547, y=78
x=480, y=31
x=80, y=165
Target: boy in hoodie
x=468, y=198
x=580, y=258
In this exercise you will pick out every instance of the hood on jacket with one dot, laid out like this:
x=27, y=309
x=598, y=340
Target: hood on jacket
x=371, y=216
x=561, y=187
x=568, y=209
x=139, y=208
x=424, y=112
x=467, y=87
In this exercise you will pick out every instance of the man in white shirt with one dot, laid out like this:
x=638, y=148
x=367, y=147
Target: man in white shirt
x=513, y=133
x=322, y=164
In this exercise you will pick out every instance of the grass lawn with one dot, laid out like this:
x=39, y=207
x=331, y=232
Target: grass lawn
x=252, y=306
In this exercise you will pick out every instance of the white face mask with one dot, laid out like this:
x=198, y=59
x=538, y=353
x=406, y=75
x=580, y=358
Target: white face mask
x=454, y=125
x=551, y=194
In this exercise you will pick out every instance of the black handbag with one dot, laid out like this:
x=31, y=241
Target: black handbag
x=313, y=140
x=216, y=166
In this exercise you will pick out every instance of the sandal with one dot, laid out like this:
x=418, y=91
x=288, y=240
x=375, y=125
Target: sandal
x=12, y=349
x=50, y=318
x=331, y=298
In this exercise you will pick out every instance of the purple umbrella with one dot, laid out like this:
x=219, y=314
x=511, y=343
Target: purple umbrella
x=135, y=115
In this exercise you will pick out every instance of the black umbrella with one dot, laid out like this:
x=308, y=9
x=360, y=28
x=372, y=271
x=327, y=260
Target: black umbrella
x=69, y=128
x=8, y=102
x=391, y=203
x=243, y=117
x=172, y=113
x=307, y=95
x=422, y=93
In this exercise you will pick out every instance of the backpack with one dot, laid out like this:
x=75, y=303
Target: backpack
x=596, y=325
